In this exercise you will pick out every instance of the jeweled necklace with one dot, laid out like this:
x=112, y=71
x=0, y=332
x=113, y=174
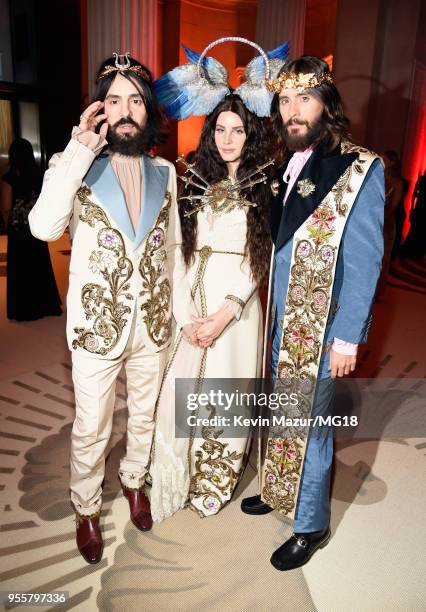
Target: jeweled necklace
x=223, y=196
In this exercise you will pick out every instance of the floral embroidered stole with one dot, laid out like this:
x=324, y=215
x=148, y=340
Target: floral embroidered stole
x=312, y=269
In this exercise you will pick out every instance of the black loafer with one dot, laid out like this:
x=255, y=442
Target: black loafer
x=297, y=551
x=254, y=505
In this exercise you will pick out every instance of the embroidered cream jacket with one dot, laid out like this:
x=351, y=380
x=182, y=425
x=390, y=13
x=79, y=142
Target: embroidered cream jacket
x=115, y=270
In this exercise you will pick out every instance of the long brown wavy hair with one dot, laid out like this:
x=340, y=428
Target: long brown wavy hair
x=208, y=162
x=334, y=123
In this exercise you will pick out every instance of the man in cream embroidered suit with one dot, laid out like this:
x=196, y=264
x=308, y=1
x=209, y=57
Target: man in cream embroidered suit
x=126, y=277
x=327, y=226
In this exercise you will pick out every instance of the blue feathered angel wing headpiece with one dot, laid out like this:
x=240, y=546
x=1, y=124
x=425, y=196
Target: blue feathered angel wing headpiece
x=192, y=89
x=196, y=88
x=253, y=91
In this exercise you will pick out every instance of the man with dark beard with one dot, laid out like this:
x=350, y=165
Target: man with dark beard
x=327, y=226
x=126, y=279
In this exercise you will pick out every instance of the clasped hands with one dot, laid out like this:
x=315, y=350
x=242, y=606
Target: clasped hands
x=203, y=331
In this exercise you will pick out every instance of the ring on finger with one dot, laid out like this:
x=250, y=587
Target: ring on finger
x=82, y=116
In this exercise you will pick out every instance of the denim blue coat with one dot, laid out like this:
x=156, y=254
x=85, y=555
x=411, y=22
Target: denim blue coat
x=358, y=264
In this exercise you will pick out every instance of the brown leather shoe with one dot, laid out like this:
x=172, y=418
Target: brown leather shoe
x=140, y=508
x=89, y=538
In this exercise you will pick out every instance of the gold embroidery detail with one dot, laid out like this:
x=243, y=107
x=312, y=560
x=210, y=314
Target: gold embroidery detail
x=212, y=454
x=103, y=303
x=306, y=312
x=79, y=518
x=349, y=147
x=213, y=457
x=342, y=187
x=286, y=457
x=236, y=299
x=158, y=303
x=214, y=470
x=309, y=292
x=206, y=251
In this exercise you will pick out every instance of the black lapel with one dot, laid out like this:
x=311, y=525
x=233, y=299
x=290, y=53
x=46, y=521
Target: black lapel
x=277, y=203
x=323, y=170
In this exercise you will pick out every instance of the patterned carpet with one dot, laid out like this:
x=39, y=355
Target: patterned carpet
x=375, y=560
x=182, y=556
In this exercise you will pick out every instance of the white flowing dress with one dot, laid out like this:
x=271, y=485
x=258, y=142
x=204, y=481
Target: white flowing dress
x=203, y=471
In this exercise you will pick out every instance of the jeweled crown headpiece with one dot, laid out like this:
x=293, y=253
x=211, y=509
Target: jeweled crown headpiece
x=297, y=80
x=122, y=64
x=197, y=87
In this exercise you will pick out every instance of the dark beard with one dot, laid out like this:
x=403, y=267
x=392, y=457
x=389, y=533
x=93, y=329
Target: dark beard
x=297, y=142
x=127, y=144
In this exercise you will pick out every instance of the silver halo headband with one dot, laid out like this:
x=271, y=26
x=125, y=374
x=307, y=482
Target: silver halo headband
x=197, y=87
x=235, y=39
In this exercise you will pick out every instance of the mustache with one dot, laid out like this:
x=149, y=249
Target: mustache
x=126, y=121
x=296, y=122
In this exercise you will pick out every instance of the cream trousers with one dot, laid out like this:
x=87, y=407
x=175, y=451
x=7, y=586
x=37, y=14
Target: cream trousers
x=94, y=388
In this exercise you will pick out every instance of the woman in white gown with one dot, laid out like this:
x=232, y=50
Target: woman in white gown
x=226, y=247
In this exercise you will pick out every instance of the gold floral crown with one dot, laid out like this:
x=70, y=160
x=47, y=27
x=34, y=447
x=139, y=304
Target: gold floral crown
x=297, y=80
x=122, y=64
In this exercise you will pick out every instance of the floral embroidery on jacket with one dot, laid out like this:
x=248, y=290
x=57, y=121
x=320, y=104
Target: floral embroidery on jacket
x=104, y=305
x=156, y=307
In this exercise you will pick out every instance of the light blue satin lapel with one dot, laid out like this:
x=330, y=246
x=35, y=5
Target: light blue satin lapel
x=103, y=182
x=154, y=183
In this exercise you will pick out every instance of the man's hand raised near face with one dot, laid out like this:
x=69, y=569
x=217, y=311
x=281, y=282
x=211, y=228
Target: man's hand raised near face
x=89, y=120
